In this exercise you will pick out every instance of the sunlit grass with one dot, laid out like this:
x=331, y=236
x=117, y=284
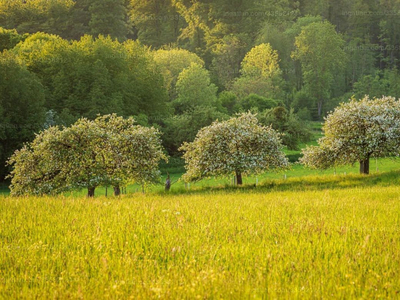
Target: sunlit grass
x=326, y=237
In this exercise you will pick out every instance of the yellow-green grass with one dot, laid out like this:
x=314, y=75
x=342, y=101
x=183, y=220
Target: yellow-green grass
x=329, y=237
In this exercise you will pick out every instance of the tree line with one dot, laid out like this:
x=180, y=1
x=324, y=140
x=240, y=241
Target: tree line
x=179, y=65
x=47, y=80
x=111, y=150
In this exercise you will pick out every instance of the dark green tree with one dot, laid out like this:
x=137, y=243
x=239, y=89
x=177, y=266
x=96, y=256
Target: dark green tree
x=109, y=17
x=22, y=110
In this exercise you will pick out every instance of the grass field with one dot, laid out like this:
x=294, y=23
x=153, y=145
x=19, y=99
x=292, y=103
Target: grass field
x=302, y=238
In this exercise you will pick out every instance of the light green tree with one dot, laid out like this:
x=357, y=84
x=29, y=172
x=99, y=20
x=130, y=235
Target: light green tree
x=171, y=63
x=194, y=88
x=95, y=76
x=260, y=73
x=319, y=48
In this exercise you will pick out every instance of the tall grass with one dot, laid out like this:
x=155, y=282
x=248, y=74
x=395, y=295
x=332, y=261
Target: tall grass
x=332, y=237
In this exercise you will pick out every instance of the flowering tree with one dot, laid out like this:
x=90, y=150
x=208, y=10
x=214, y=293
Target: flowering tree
x=133, y=151
x=35, y=167
x=355, y=132
x=108, y=150
x=238, y=146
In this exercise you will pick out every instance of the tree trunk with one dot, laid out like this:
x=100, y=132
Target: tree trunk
x=319, y=108
x=91, y=192
x=168, y=184
x=239, y=180
x=117, y=190
x=364, y=166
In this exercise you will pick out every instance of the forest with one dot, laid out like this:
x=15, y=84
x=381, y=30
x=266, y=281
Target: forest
x=179, y=65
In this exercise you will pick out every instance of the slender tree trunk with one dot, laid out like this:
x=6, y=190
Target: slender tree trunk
x=364, y=166
x=117, y=190
x=91, y=192
x=239, y=179
x=319, y=108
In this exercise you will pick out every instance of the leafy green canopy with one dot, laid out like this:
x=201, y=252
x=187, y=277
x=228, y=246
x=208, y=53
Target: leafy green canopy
x=260, y=73
x=356, y=131
x=95, y=76
x=319, y=49
x=171, y=63
x=22, y=98
x=239, y=145
x=107, y=151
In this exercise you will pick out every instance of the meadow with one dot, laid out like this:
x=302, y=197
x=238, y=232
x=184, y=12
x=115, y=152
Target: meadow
x=326, y=236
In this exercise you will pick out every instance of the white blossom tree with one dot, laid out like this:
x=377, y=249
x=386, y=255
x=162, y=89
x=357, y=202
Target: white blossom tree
x=108, y=150
x=237, y=146
x=355, y=132
x=133, y=151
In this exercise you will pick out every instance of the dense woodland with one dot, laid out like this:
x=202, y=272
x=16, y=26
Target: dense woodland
x=179, y=65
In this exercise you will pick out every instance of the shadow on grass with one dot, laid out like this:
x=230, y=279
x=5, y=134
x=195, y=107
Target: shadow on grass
x=301, y=184
x=294, y=184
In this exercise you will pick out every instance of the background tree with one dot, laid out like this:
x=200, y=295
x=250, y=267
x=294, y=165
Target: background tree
x=95, y=76
x=294, y=130
x=260, y=73
x=238, y=146
x=256, y=102
x=357, y=131
x=155, y=22
x=194, y=88
x=319, y=48
x=228, y=53
x=108, y=17
x=171, y=63
x=184, y=127
x=22, y=110
x=9, y=38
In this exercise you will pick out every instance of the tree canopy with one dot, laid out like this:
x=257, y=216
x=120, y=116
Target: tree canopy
x=110, y=150
x=238, y=146
x=22, y=112
x=357, y=131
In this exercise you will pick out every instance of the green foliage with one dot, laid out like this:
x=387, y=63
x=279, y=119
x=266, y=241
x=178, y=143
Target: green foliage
x=260, y=73
x=155, y=22
x=108, y=151
x=36, y=15
x=260, y=103
x=319, y=48
x=340, y=48
x=171, y=63
x=227, y=57
x=21, y=106
x=9, y=38
x=261, y=61
x=108, y=17
x=95, y=76
x=237, y=146
x=381, y=83
x=229, y=101
x=194, y=88
x=294, y=131
x=357, y=131
x=361, y=60
x=184, y=127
